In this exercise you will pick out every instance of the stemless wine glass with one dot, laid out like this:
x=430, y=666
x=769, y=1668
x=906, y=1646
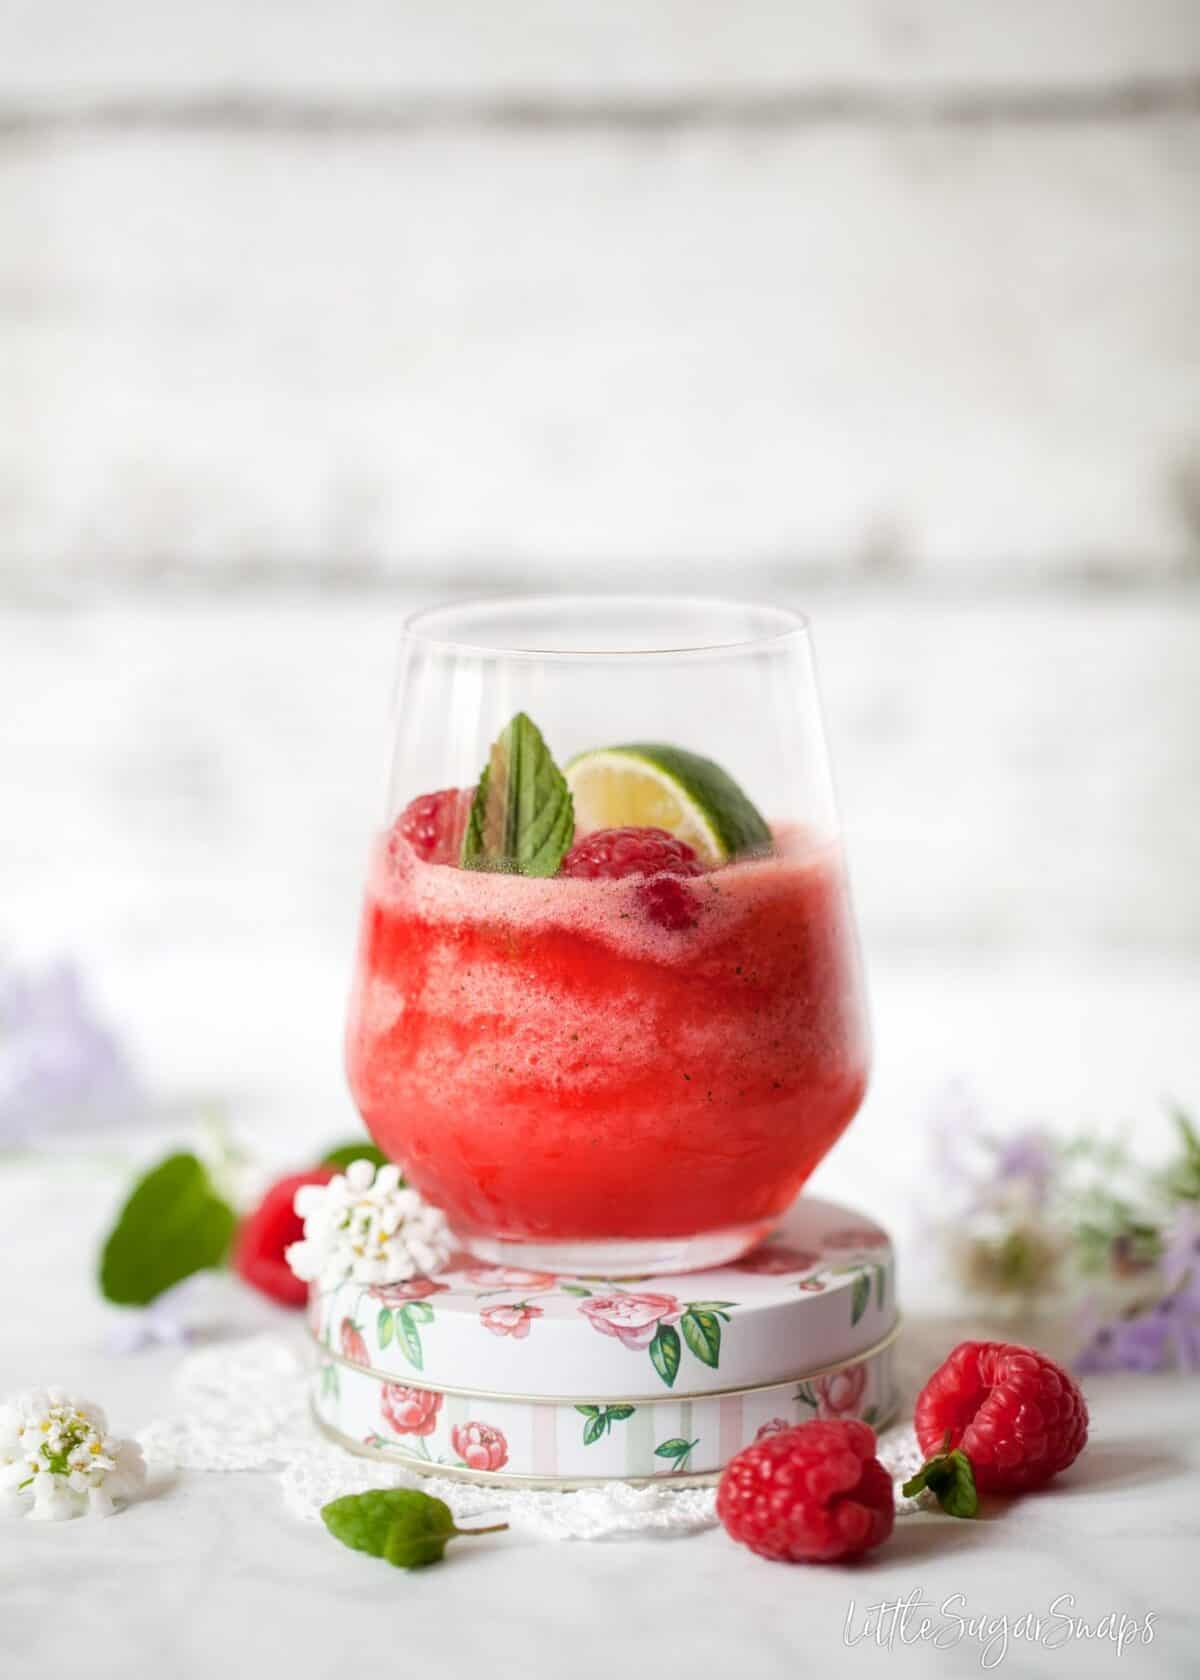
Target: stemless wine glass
x=608, y=1011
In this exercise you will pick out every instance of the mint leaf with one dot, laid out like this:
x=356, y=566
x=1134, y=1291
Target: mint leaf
x=342, y=1156
x=406, y=1528
x=950, y=1478
x=522, y=819
x=173, y=1224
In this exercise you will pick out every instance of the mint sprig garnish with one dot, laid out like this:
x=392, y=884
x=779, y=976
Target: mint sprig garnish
x=522, y=819
x=950, y=1478
x=173, y=1224
x=406, y=1528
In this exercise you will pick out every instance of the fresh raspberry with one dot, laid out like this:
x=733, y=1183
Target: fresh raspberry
x=809, y=1494
x=434, y=824
x=1017, y=1415
x=610, y=854
x=666, y=900
x=268, y=1231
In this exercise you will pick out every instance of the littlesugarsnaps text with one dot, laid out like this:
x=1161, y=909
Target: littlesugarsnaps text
x=914, y=1620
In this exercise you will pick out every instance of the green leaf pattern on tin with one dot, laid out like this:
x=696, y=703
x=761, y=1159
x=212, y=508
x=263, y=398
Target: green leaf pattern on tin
x=865, y=1275
x=600, y=1420
x=664, y=1353
x=658, y=1324
x=402, y=1324
x=860, y=1294
x=643, y=1320
x=677, y=1450
x=701, y=1326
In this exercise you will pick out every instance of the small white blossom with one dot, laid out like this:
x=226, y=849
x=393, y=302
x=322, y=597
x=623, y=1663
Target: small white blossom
x=57, y=1452
x=365, y=1225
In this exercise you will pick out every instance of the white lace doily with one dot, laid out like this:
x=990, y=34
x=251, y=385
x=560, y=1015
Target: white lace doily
x=246, y=1408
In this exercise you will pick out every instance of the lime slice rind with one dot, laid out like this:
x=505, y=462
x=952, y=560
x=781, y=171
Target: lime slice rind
x=652, y=784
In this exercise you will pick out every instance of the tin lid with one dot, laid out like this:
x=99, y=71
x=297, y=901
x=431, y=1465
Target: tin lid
x=819, y=1291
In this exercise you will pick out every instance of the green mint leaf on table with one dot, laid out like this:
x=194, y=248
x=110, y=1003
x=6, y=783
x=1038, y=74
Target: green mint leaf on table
x=522, y=819
x=950, y=1478
x=173, y=1224
x=406, y=1528
x=342, y=1156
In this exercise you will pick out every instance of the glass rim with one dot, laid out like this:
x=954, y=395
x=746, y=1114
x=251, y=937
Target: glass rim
x=424, y=624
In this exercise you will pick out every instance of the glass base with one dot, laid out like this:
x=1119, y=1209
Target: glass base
x=621, y=1257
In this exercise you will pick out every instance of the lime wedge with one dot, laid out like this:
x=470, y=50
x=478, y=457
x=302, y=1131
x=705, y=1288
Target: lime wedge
x=655, y=786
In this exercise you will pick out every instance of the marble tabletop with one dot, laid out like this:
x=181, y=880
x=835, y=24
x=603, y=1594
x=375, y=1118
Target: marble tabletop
x=211, y=1574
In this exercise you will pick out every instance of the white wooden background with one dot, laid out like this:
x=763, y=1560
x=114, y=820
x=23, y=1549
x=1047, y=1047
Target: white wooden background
x=888, y=308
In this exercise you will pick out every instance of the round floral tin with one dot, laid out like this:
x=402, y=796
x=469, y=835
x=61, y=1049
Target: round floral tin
x=495, y=1372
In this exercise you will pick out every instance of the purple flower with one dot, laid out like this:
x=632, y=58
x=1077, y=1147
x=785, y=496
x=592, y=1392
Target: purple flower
x=59, y=1064
x=990, y=1168
x=1181, y=1255
x=1028, y=1156
x=1162, y=1336
x=1185, y=1335
x=1141, y=1343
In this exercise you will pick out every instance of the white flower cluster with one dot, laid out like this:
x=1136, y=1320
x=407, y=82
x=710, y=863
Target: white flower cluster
x=367, y=1226
x=58, y=1452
